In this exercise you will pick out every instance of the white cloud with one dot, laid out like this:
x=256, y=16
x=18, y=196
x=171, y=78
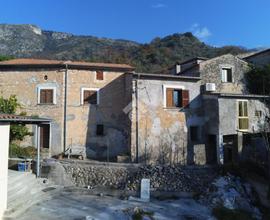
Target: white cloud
x=203, y=33
x=158, y=5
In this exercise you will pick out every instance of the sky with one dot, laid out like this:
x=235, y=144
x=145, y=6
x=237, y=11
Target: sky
x=215, y=22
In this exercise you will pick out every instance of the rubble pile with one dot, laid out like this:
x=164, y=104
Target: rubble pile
x=162, y=177
x=232, y=193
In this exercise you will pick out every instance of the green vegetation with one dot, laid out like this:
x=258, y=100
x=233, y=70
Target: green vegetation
x=258, y=80
x=10, y=106
x=3, y=58
x=17, y=151
x=222, y=213
x=155, y=56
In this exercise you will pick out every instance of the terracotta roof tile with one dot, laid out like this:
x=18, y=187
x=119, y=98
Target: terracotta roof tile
x=18, y=62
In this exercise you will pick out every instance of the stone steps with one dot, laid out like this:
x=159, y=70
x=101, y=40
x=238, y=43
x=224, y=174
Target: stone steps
x=24, y=190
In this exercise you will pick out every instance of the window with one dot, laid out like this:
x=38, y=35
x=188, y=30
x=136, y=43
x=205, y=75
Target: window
x=176, y=98
x=89, y=96
x=194, y=133
x=46, y=96
x=227, y=75
x=258, y=113
x=100, y=130
x=243, y=121
x=99, y=75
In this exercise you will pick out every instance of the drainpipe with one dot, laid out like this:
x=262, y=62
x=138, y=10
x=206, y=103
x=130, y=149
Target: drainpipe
x=137, y=121
x=65, y=108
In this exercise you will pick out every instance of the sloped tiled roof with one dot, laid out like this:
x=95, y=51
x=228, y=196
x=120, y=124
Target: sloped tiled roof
x=42, y=62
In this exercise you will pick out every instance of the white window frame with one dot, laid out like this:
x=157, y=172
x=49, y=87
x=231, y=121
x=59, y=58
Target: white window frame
x=54, y=94
x=225, y=79
x=90, y=89
x=238, y=117
x=165, y=87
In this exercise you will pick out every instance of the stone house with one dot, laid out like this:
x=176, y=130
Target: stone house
x=197, y=112
x=84, y=101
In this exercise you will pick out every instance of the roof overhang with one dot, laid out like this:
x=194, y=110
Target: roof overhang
x=11, y=118
x=234, y=95
x=63, y=66
x=165, y=77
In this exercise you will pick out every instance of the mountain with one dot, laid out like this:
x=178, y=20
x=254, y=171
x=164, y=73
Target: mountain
x=160, y=53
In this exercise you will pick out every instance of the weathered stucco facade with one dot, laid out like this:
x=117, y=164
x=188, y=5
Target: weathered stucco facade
x=162, y=132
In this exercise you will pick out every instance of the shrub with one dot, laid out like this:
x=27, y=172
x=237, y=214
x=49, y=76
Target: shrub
x=10, y=106
x=17, y=151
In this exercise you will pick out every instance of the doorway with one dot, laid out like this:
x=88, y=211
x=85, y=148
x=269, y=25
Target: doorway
x=44, y=135
x=211, y=150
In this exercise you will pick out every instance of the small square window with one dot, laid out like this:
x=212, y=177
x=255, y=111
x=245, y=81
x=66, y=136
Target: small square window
x=99, y=75
x=258, y=113
x=46, y=96
x=100, y=130
x=194, y=133
x=90, y=97
x=227, y=75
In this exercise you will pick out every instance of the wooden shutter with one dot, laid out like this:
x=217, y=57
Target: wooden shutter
x=99, y=75
x=169, y=98
x=185, y=98
x=46, y=96
x=42, y=96
x=49, y=96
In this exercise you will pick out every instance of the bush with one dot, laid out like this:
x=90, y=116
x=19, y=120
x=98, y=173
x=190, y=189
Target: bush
x=17, y=151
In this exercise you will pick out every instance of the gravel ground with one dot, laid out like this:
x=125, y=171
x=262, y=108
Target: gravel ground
x=69, y=206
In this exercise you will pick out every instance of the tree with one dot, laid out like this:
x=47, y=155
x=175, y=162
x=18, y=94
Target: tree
x=258, y=82
x=10, y=106
x=3, y=58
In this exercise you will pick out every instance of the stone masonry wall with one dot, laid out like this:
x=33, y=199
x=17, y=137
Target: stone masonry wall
x=211, y=73
x=128, y=176
x=24, y=83
x=115, y=95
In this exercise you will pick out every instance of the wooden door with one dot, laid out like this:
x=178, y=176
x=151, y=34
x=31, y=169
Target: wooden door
x=44, y=136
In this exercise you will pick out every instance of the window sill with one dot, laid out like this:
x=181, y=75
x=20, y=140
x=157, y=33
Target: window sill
x=243, y=130
x=86, y=105
x=173, y=108
x=44, y=104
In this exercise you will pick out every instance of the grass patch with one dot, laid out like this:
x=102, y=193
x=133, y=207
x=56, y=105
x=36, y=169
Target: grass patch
x=222, y=213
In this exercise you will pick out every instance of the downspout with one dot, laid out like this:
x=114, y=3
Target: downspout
x=65, y=108
x=137, y=121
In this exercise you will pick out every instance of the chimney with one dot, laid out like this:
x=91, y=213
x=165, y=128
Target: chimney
x=177, y=69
